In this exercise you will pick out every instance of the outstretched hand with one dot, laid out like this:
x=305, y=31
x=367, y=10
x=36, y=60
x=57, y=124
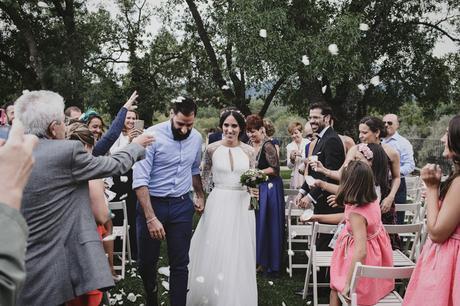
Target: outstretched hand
x=144, y=139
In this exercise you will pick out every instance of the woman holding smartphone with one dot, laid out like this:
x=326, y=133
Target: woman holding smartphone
x=122, y=184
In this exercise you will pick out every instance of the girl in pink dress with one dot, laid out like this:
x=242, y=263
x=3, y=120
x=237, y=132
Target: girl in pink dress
x=363, y=239
x=436, y=279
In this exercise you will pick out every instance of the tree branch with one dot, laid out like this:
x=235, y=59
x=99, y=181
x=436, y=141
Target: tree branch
x=216, y=71
x=271, y=95
x=437, y=28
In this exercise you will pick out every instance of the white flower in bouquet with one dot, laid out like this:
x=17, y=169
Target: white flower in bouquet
x=375, y=80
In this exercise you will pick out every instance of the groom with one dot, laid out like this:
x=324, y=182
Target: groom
x=162, y=183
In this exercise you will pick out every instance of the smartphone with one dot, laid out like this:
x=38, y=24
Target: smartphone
x=139, y=124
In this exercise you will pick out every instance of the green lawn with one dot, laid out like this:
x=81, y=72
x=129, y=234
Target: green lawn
x=274, y=291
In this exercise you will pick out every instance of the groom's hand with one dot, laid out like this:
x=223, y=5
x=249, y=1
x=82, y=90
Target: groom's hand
x=156, y=230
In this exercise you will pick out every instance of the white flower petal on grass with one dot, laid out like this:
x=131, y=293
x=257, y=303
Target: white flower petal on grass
x=375, y=80
x=305, y=60
x=42, y=4
x=324, y=88
x=290, y=252
x=363, y=27
x=270, y=185
x=263, y=33
x=361, y=87
x=225, y=87
x=283, y=303
x=309, y=303
x=112, y=301
x=164, y=271
x=118, y=297
x=333, y=49
x=200, y=279
x=131, y=297
x=165, y=285
x=270, y=283
x=220, y=276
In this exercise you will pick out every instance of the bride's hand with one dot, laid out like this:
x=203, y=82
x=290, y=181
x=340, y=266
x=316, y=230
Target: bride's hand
x=254, y=192
x=199, y=205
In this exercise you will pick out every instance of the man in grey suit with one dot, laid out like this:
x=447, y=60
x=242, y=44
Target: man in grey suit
x=64, y=257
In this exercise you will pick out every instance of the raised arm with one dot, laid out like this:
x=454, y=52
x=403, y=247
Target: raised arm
x=109, y=138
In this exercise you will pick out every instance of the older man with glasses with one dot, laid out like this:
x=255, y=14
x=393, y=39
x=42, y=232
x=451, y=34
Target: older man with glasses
x=406, y=154
x=64, y=257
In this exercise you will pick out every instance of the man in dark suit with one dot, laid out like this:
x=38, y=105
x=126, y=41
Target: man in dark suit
x=330, y=152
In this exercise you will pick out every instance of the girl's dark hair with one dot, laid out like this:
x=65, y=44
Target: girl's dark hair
x=254, y=122
x=453, y=143
x=238, y=117
x=380, y=168
x=79, y=131
x=375, y=125
x=356, y=185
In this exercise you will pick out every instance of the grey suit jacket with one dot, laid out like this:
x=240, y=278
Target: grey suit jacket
x=65, y=257
x=13, y=235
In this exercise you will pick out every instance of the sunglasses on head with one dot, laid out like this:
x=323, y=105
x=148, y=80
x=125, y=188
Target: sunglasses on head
x=388, y=122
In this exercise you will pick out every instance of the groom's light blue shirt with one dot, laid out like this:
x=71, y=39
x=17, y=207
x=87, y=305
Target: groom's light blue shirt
x=169, y=164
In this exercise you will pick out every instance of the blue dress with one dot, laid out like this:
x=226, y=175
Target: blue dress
x=270, y=215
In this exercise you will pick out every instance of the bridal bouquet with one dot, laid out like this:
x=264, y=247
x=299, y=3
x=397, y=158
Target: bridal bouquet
x=252, y=178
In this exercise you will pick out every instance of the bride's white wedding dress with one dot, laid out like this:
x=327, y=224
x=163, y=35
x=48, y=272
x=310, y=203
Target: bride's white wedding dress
x=223, y=248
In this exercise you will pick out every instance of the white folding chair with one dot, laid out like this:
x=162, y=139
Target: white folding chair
x=317, y=259
x=296, y=233
x=412, y=211
x=121, y=231
x=393, y=298
x=399, y=258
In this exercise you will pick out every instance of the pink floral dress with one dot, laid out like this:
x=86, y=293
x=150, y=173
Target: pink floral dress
x=379, y=253
x=436, y=278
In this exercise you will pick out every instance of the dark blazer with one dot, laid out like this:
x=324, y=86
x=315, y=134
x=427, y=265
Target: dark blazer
x=331, y=154
x=214, y=137
x=65, y=257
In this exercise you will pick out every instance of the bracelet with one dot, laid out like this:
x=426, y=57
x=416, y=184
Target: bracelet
x=151, y=220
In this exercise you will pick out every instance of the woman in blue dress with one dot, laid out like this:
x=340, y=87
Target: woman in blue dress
x=270, y=215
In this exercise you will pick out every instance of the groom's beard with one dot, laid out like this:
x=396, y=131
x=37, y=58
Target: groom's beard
x=177, y=135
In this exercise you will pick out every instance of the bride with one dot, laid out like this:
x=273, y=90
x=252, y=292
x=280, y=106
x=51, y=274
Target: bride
x=222, y=252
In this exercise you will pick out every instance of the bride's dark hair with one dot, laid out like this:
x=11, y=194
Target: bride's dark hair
x=238, y=117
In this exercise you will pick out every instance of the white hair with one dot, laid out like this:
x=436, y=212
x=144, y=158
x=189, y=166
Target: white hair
x=38, y=109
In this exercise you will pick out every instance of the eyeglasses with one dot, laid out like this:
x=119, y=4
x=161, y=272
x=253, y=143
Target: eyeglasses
x=388, y=122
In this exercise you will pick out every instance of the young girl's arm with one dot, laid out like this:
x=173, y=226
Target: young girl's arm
x=328, y=219
x=359, y=227
x=98, y=202
x=441, y=221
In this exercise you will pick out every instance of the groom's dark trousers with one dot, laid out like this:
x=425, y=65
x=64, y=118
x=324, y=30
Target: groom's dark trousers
x=176, y=215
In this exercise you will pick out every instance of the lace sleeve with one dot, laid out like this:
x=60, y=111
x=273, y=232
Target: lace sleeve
x=251, y=155
x=206, y=173
x=271, y=155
